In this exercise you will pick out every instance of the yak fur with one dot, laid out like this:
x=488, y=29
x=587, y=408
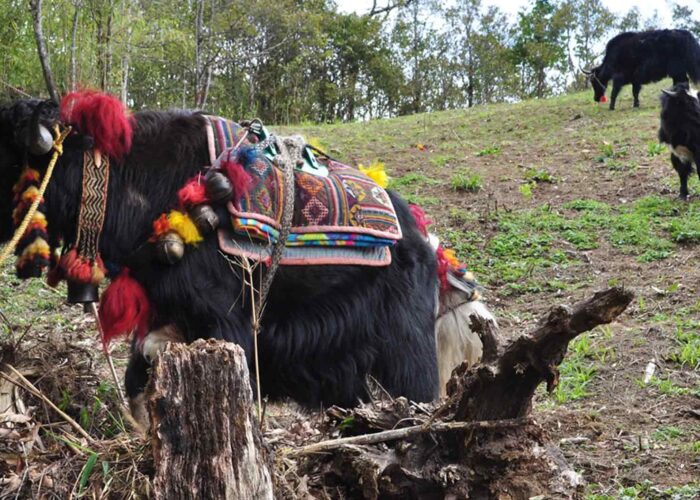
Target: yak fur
x=325, y=328
x=680, y=130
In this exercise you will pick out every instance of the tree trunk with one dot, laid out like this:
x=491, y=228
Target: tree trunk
x=35, y=7
x=74, y=48
x=126, y=54
x=481, y=443
x=206, y=440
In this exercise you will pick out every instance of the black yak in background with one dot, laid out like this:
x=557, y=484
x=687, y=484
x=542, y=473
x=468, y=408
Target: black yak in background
x=680, y=130
x=325, y=328
x=643, y=57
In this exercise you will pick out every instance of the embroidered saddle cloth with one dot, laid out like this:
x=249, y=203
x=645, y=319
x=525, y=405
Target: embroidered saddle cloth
x=341, y=218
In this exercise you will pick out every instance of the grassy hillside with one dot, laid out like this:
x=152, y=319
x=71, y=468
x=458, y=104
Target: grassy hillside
x=547, y=201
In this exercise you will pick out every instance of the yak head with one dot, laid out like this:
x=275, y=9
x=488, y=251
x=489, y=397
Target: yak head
x=598, y=82
x=681, y=98
x=25, y=139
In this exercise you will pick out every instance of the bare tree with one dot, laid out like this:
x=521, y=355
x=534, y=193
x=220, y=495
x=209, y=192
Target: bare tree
x=35, y=7
x=74, y=47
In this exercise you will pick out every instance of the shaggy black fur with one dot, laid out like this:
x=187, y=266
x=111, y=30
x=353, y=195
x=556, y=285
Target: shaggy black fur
x=680, y=129
x=325, y=328
x=14, y=120
x=644, y=57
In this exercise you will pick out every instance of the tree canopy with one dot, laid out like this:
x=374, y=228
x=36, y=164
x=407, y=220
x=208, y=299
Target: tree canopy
x=303, y=60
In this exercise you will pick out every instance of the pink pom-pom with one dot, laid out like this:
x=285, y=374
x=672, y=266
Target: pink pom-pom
x=193, y=193
x=240, y=179
x=421, y=219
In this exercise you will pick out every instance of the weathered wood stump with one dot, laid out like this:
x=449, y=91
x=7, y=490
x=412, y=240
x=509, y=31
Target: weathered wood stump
x=481, y=443
x=206, y=441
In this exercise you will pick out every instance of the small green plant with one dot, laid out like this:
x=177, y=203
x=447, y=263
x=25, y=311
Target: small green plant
x=466, y=182
x=441, y=160
x=655, y=149
x=667, y=387
x=493, y=150
x=539, y=175
x=667, y=433
x=526, y=189
x=688, y=352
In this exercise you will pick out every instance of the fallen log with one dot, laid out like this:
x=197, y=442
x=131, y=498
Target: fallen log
x=206, y=440
x=456, y=453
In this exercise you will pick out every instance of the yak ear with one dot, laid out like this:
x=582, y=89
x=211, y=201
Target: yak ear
x=670, y=93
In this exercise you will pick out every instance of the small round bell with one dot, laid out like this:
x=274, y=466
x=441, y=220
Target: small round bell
x=170, y=248
x=82, y=293
x=204, y=218
x=218, y=187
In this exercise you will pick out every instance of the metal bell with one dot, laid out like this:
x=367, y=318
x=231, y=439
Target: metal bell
x=170, y=248
x=218, y=187
x=82, y=293
x=204, y=218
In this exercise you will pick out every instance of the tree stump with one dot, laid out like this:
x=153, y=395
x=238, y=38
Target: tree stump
x=481, y=443
x=206, y=441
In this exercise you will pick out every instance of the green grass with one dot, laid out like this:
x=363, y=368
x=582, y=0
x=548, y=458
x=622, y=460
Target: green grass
x=466, y=182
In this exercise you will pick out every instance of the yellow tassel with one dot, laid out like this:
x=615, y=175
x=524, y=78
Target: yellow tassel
x=184, y=226
x=38, y=247
x=377, y=172
x=30, y=193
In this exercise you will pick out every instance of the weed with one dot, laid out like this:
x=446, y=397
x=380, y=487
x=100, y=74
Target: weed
x=688, y=341
x=441, y=160
x=466, y=182
x=539, y=175
x=667, y=387
x=411, y=180
x=667, y=433
x=493, y=150
x=526, y=189
x=655, y=149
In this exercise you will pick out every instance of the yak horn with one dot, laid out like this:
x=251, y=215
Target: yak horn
x=586, y=72
x=40, y=140
x=669, y=92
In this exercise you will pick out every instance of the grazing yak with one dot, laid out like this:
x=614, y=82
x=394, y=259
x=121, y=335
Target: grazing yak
x=680, y=130
x=643, y=57
x=325, y=328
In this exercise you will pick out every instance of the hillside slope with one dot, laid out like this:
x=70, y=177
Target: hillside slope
x=548, y=201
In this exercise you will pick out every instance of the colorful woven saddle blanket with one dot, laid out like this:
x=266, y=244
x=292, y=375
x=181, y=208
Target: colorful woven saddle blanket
x=343, y=217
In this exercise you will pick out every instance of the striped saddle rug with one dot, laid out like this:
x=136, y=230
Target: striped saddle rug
x=342, y=218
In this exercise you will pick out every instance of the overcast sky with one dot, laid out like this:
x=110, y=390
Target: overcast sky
x=513, y=6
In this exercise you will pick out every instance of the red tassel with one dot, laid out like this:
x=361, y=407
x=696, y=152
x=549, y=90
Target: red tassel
x=443, y=266
x=101, y=116
x=240, y=179
x=421, y=219
x=124, y=308
x=193, y=193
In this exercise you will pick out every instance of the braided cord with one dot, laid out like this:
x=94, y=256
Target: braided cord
x=57, y=152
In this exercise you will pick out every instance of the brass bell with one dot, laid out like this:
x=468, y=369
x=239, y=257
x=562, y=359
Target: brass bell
x=82, y=293
x=204, y=218
x=170, y=248
x=218, y=187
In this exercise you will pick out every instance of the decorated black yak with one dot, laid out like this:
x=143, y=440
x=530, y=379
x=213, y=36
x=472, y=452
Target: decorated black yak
x=643, y=57
x=325, y=328
x=680, y=131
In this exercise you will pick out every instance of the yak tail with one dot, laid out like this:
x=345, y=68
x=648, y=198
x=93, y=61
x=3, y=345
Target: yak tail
x=693, y=61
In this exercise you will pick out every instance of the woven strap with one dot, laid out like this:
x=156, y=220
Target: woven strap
x=287, y=162
x=93, y=203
